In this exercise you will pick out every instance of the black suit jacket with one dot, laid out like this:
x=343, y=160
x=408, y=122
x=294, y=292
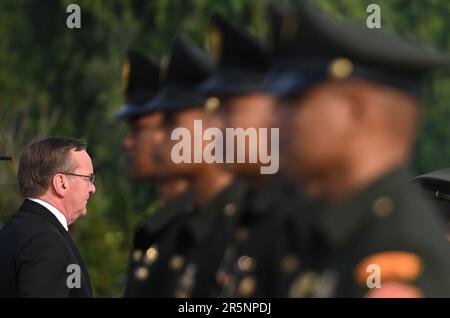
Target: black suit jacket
x=35, y=254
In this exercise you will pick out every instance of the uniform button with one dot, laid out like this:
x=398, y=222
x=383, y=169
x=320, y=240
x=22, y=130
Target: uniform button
x=230, y=209
x=383, y=207
x=151, y=255
x=141, y=273
x=246, y=287
x=222, y=278
x=137, y=255
x=246, y=263
x=289, y=264
x=182, y=294
x=304, y=285
x=241, y=234
x=176, y=262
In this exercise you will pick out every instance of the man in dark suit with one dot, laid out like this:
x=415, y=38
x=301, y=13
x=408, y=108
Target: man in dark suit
x=38, y=257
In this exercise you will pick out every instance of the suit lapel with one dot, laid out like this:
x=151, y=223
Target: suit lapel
x=40, y=210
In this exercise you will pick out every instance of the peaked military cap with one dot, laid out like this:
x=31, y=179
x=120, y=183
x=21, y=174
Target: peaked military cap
x=141, y=79
x=437, y=183
x=242, y=62
x=436, y=187
x=308, y=47
x=181, y=72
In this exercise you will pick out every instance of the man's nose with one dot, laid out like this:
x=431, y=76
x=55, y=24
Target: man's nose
x=92, y=189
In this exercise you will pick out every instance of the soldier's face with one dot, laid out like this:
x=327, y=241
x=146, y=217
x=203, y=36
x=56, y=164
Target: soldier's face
x=166, y=147
x=318, y=130
x=138, y=146
x=250, y=111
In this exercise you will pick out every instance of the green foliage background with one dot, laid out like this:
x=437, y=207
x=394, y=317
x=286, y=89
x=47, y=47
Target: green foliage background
x=57, y=81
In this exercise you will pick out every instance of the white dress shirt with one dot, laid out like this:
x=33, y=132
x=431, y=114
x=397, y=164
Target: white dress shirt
x=61, y=218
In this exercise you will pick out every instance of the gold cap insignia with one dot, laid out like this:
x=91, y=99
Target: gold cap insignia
x=126, y=70
x=164, y=68
x=215, y=42
x=211, y=105
x=340, y=68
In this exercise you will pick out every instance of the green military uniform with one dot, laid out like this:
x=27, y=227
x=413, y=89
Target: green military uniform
x=178, y=254
x=199, y=246
x=152, y=246
x=387, y=224
x=384, y=240
x=261, y=259
x=141, y=81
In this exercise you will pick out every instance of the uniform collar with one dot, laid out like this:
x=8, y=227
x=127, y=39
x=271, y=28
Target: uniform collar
x=267, y=198
x=337, y=223
x=204, y=219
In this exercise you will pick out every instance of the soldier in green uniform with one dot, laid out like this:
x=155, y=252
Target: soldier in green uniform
x=183, y=260
x=436, y=187
x=350, y=101
x=141, y=81
x=260, y=260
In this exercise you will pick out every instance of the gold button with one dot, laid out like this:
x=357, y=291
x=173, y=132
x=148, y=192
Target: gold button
x=151, y=255
x=230, y=209
x=176, y=262
x=222, y=278
x=246, y=287
x=289, y=264
x=211, y=105
x=246, y=263
x=383, y=207
x=304, y=285
x=141, y=273
x=241, y=234
x=340, y=68
x=137, y=255
x=182, y=294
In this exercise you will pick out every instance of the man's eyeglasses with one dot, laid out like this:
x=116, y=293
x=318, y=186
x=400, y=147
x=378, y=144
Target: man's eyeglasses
x=91, y=177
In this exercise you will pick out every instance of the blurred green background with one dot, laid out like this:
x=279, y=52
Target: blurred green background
x=56, y=81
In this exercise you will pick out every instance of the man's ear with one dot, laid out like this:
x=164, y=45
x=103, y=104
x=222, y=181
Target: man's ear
x=60, y=184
